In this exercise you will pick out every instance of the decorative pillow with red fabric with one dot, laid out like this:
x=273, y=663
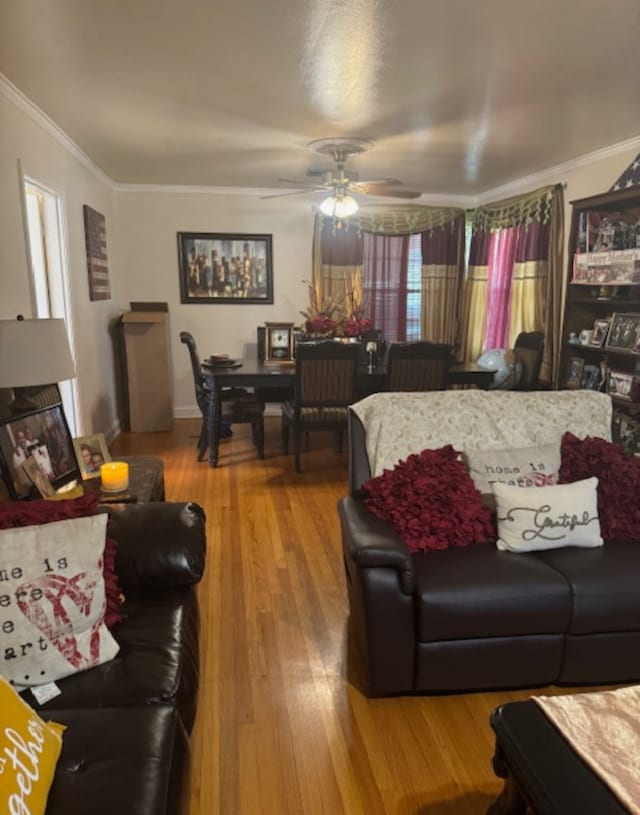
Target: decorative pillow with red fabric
x=431, y=501
x=618, y=476
x=34, y=513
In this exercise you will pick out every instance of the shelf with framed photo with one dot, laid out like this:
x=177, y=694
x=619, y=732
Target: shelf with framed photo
x=601, y=324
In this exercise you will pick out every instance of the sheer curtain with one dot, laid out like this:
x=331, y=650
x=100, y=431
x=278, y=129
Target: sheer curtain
x=384, y=277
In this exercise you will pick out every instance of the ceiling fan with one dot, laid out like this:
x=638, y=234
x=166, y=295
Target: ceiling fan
x=341, y=184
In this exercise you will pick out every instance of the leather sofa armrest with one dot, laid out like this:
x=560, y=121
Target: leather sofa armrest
x=159, y=544
x=373, y=542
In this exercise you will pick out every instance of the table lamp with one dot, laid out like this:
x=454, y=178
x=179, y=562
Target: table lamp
x=33, y=352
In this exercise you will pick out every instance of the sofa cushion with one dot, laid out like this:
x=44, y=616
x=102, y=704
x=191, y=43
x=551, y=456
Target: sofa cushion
x=53, y=602
x=603, y=584
x=120, y=761
x=25, y=792
x=157, y=662
x=431, y=501
x=618, y=482
x=521, y=467
x=482, y=592
x=532, y=519
x=14, y=514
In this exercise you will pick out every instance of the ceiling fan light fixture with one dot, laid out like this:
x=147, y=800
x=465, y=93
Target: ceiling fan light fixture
x=339, y=206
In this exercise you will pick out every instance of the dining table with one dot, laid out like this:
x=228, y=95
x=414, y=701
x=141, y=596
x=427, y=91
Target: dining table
x=276, y=380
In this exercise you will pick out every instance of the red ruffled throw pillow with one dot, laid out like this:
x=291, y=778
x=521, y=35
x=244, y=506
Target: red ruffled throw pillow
x=431, y=501
x=34, y=513
x=618, y=475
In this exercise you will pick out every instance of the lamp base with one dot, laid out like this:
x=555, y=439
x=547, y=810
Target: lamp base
x=22, y=402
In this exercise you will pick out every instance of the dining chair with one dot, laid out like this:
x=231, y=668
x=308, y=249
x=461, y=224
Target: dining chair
x=238, y=406
x=417, y=366
x=325, y=386
x=529, y=346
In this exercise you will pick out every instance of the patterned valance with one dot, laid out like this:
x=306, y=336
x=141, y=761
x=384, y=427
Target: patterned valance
x=396, y=219
x=518, y=211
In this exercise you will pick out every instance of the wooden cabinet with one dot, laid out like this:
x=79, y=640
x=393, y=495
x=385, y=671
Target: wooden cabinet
x=601, y=328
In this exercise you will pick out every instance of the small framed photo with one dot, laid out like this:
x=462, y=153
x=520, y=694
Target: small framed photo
x=225, y=268
x=92, y=452
x=620, y=384
x=591, y=377
x=600, y=330
x=574, y=373
x=42, y=435
x=624, y=332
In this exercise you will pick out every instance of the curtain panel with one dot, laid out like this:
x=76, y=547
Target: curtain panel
x=442, y=276
x=474, y=298
x=337, y=262
x=514, y=280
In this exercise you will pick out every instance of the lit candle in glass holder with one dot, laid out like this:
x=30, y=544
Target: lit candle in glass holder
x=114, y=476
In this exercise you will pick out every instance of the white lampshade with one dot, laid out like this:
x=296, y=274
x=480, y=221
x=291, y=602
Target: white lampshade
x=339, y=207
x=34, y=352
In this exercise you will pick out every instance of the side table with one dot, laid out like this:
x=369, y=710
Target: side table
x=146, y=480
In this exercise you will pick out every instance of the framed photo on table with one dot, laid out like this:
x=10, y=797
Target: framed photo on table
x=43, y=435
x=225, y=268
x=92, y=452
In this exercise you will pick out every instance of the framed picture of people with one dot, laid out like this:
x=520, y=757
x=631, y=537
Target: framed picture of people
x=92, y=452
x=218, y=267
x=36, y=448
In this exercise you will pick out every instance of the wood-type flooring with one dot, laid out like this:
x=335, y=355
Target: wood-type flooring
x=281, y=729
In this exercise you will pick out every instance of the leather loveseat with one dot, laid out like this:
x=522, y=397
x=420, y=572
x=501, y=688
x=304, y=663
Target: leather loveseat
x=126, y=746
x=474, y=617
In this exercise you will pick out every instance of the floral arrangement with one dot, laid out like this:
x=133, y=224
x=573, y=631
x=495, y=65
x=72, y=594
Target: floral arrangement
x=336, y=316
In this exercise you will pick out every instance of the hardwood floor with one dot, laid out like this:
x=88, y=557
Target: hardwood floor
x=280, y=730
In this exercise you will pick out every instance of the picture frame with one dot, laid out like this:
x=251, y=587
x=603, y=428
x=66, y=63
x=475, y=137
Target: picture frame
x=600, y=331
x=225, y=268
x=574, y=373
x=43, y=434
x=620, y=384
x=624, y=332
x=91, y=453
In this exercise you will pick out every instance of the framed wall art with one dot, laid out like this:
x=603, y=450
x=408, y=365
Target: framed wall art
x=95, y=238
x=42, y=435
x=218, y=267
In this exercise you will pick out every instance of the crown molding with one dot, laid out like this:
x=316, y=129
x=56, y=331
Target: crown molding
x=553, y=174
x=10, y=92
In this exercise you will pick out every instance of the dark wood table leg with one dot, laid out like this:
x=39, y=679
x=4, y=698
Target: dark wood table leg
x=213, y=419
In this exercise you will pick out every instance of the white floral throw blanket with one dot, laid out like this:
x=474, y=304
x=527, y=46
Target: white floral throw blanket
x=604, y=730
x=398, y=424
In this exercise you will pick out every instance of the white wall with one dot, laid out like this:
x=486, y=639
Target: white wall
x=46, y=160
x=147, y=227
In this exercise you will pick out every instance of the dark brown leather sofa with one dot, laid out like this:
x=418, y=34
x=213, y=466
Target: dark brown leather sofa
x=126, y=746
x=476, y=618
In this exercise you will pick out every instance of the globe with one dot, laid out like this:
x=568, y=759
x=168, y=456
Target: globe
x=504, y=362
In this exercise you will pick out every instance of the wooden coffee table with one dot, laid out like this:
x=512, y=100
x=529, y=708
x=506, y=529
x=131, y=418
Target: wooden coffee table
x=543, y=775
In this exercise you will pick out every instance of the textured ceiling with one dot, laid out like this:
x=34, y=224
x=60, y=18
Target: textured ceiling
x=458, y=96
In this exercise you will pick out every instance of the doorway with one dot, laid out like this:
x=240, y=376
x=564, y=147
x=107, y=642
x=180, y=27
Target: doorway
x=46, y=248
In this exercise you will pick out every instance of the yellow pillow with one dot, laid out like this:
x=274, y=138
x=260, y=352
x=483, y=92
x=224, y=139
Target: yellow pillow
x=29, y=751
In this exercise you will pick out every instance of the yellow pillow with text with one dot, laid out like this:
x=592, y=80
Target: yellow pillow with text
x=29, y=751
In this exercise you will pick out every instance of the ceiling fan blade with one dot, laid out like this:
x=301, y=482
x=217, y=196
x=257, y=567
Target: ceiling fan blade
x=284, y=194
x=387, y=182
x=390, y=193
